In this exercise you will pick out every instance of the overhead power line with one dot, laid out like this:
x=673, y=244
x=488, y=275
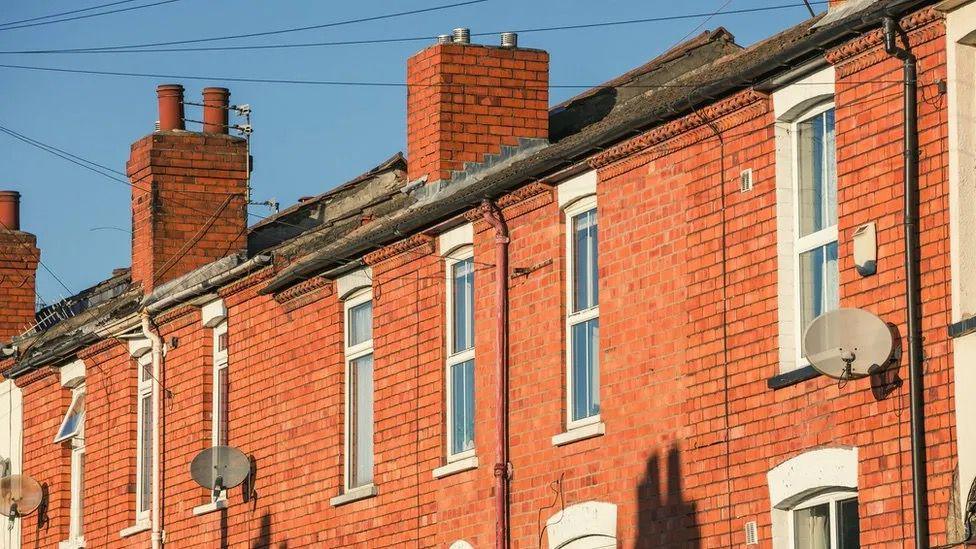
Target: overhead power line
x=156, y=46
x=353, y=83
x=87, y=16
x=110, y=4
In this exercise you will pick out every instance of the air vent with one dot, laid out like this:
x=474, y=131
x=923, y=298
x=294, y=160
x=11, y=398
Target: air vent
x=752, y=531
x=745, y=180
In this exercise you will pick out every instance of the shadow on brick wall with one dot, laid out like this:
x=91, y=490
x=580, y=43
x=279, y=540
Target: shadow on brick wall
x=664, y=517
x=263, y=540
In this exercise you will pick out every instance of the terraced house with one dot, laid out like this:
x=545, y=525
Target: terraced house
x=575, y=326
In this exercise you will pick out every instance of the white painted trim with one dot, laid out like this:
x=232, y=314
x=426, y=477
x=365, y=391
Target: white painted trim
x=76, y=497
x=356, y=494
x=144, y=390
x=74, y=543
x=576, y=188
x=597, y=429
x=352, y=352
x=213, y=313
x=587, y=525
x=139, y=347
x=453, y=358
x=73, y=373
x=138, y=527
x=802, y=477
x=215, y=505
x=11, y=444
x=797, y=97
x=461, y=544
x=457, y=466
x=577, y=207
x=451, y=240
x=351, y=282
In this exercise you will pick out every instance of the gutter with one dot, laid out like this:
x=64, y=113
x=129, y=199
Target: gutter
x=215, y=281
x=912, y=281
x=569, y=151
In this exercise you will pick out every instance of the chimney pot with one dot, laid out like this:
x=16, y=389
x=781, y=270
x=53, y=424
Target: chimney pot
x=10, y=210
x=462, y=35
x=216, y=102
x=170, y=106
x=509, y=40
x=444, y=39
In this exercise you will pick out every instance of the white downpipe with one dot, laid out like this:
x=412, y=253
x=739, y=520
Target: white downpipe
x=157, y=359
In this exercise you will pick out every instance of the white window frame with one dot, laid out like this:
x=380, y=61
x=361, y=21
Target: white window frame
x=76, y=440
x=832, y=498
x=145, y=390
x=812, y=241
x=351, y=353
x=577, y=207
x=452, y=258
x=219, y=365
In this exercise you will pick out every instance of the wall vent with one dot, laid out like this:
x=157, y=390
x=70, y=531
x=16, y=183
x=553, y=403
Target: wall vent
x=745, y=181
x=752, y=533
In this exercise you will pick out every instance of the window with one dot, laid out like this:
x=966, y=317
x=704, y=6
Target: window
x=460, y=354
x=815, y=248
x=221, y=386
x=829, y=521
x=359, y=390
x=72, y=432
x=583, y=314
x=144, y=455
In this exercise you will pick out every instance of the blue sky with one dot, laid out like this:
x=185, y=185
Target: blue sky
x=306, y=139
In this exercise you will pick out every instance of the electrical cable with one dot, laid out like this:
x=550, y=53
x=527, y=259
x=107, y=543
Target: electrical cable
x=110, y=4
x=42, y=264
x=158, y=46
x=90, y=15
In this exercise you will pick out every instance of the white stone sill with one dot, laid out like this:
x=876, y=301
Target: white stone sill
x=76, y=543
x=210, y=507
x=455, y=467
x=136, y=528
x=580, y=433
x=356, y=494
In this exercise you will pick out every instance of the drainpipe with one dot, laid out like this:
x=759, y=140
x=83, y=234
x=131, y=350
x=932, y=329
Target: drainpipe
x=502, y=469
x=912, y=282
x=157, y=359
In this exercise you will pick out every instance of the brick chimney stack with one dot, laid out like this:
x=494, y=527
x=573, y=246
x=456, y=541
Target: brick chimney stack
x=466, y=101
x=189, y=189
x=18, y=268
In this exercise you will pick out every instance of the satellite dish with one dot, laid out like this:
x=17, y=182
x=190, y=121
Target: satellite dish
x=219, y=468
x=19, y=495
x=848, y=343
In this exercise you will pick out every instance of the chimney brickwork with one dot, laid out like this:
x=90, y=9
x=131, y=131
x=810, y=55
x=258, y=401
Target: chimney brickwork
x=188, y=201
x=466, y=101
x=19, y=257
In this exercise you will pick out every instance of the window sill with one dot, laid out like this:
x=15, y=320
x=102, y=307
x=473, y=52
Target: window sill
x=792, y=377
x=135, y=529
x=76, y=543
x=355, y=494
x=210, y=507
x=454, y=467
x=580, y=433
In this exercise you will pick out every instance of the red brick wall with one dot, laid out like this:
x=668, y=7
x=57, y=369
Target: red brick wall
x=18, y=266
x=467, y=101
x=689, y=320
x=187, y=203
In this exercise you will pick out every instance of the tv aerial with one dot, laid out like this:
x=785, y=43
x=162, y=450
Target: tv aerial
x=19, y=495
x=848, y=343
x=219, y=468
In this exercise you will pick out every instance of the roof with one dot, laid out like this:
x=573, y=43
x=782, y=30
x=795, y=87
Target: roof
x=373, y=210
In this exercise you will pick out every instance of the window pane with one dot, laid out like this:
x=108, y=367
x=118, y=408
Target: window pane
x=585, y=286
x=811, y=527
x=73, y=419
x=819, y=283
x=145, y=479
x=817, y=173
x=361, y=323
x=221, y=416
x=361, y=421
x=462, y=407
x=848, y=529
x=462, y=300
x=145, y=371
x=586, y=369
